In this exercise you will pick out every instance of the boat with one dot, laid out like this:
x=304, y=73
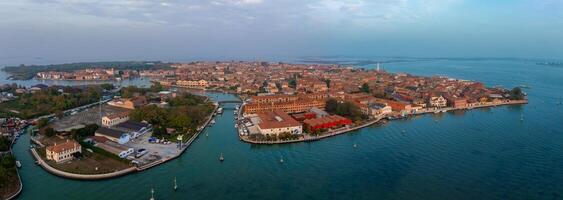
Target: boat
x=175, y=184
x=206, y=134
x=152, y=194
x=18, y=164
x=221, y=158
x=281, y=159
x=220, y=110
x=355, y=145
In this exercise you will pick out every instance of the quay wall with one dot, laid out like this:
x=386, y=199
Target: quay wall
x=341, y=131
x=60, y=173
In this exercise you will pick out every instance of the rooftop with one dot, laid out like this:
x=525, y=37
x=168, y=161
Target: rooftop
x=276, y=119
x=57, y=148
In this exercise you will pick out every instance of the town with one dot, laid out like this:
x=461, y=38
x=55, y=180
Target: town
x=100, y=131
x=299, y=102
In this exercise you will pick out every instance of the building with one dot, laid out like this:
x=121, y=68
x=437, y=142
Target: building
x=132, y=103
x=286, y=103
x=328, y=122
x=276, y=122
x=113, y=135
x=192, y=83
x=64, y=151
x=437, y=101
x=115, y=148
x=458, y=102
x=303, y=116
x=114, y=119
x=135, y=129
x=379, y=109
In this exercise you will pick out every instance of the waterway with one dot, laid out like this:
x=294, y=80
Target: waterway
x=479, y=154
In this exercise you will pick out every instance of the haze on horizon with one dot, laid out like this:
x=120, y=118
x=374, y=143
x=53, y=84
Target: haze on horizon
x=90, y=30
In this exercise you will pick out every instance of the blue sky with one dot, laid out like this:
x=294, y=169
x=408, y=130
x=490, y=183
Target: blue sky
x=73, y=30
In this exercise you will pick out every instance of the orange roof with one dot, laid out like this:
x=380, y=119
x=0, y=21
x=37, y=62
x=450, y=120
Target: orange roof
x=57, y=148
x=323, y=120
x=276, y=119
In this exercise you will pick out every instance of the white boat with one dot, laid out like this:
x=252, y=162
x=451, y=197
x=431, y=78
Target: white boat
x=18, y=164
x=175, y=185
x=220, y=111
x=221, y=158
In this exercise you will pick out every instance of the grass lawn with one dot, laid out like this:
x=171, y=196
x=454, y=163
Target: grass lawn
x=87, y=164
x=9, y=185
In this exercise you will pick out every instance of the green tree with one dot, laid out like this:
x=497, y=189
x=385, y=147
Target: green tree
x=42, y=122
x=517, y=94
x=107, y=86
x=331, y=105
x=4, y=143
x=156, y=87
x=50, y=132
x=365, y=88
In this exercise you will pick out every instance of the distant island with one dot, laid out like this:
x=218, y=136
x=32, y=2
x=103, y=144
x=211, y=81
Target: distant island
x=91, y=70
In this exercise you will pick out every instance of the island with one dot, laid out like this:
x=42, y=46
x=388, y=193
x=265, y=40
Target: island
x=100, y=131
x=287, y=102
x=84, y=70
x=10, y=181
x=96, y=133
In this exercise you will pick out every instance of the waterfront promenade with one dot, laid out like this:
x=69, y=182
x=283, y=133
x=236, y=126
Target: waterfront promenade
x=331, y=133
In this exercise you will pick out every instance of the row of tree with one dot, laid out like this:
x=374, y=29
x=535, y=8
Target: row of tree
x=345, y=109
x=185, y=113
x=51, y=100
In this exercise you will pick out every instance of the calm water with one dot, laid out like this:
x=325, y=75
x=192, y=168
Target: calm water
x=479, y=154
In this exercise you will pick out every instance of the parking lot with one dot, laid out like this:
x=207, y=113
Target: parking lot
x=87, y=116
x=156, y=151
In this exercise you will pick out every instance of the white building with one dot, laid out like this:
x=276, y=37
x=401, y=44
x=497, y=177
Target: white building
x=64, y=151
x=114, y=119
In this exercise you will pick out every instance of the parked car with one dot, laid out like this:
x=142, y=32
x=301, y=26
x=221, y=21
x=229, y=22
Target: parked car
x=141, y=152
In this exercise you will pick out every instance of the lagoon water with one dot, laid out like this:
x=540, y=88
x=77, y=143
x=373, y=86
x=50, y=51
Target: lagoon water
x=478, y=154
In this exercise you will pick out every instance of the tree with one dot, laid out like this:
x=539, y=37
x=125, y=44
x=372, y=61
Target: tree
x=517, y=94
x=4, y=143
x=42, y=122
x=159, y=132
x=365, y=88
x=292, y=83
x=50, y=132
x=107, y=86
x=156, y=87
x=331, y=105
x=8, y=161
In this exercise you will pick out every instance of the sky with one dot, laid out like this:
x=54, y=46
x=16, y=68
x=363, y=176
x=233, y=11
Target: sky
x=34, y=31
